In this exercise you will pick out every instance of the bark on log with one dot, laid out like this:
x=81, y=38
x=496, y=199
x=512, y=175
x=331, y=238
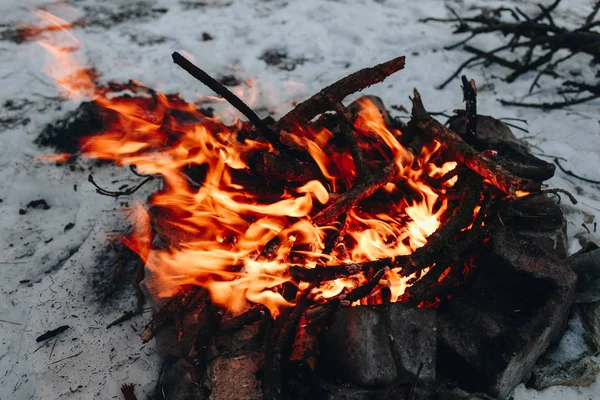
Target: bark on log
x=437, y=246
x=321, y=102
x=174, y=307
x=355, y=195
x=467, y=155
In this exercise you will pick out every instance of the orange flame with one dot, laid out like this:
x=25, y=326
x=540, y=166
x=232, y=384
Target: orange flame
x=217, y=227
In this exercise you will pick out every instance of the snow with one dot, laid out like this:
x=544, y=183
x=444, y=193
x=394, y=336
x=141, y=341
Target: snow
x=133, y=39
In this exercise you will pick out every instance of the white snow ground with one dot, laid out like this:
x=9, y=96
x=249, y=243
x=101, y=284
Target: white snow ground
x=333, y=37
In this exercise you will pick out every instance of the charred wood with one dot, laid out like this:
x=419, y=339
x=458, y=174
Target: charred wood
x=355, y=195
x=321, y=102
x=422, y=258
x=169, y=311
x=231, y=98
x=467, y=155
x=236, y=323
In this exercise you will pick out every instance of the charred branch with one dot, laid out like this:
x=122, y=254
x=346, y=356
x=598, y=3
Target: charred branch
x=171, y=310
x=470, y=99
x=423, y=257
x=467, y=155
x=322, y=101
x=126, y=192
x=355, y=195
x=249, y=317
x=225, y=93
x=278, y=346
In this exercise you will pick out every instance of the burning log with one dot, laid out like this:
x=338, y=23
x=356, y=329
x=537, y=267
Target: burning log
x=322, y=101
x=467, y=155
x=171, y=310
x=355, y=195
x=282, y=167
x=420, y=259
x=249, y=317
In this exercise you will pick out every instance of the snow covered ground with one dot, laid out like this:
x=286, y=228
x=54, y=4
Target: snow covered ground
x=53, y=262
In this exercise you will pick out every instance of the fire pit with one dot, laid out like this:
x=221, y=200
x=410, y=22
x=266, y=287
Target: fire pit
x=337, y=252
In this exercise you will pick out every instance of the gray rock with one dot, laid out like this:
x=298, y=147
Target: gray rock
x=541, y=219
x=587, y=267
x=581, y=372
x=356, y=347
x=590, y=319
x=354, y=107
x=489, y=129
x=512, y=154
x=491, y=335
x=235, y=377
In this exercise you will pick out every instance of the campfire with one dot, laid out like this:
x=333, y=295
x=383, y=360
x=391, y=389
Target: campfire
x=332, y=235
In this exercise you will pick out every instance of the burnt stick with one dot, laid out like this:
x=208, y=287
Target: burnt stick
x=279, y=342
x=420, y=259
x=225, y=93
x=240, y=321
x=467, y=155
x=355, y=195
x=321, y=102
x=351, y=139
x=470, y=99
x=169, y=311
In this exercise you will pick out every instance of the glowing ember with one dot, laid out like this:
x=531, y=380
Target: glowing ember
x=217, y=227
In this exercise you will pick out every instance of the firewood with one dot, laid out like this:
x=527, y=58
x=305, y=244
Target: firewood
x=305, y=350
x=467, y=155
x=470, y=99
x=279, y=341
x=322, y=101
x=249, y=317
x=281, y=166
x=169, y=311
x=420, y=259
x=227, y=95
x=355, y=195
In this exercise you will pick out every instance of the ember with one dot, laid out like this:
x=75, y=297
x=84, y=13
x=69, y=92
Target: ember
x=298, y=216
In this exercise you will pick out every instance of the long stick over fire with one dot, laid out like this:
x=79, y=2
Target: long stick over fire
x=231, y=98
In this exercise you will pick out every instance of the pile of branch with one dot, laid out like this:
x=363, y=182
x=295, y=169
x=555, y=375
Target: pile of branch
x=461, y=231
x=442, y=246
x=536, y=43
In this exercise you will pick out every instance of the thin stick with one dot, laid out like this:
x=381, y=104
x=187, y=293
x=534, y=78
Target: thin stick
x=227, y=95
x=126, y=192
x=66, y=358
x=550, y=106
x=571, y=173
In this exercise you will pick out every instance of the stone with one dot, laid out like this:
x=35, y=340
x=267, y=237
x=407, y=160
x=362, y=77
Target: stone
x=356, y=348
x=355, y=107
x=179, y=380
x=541, y=219
x=587, y=267
x=489, y=129
x=512, y=153
x=581, y=372
x=590, y=319
x=491, y=334
x=235, y=377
